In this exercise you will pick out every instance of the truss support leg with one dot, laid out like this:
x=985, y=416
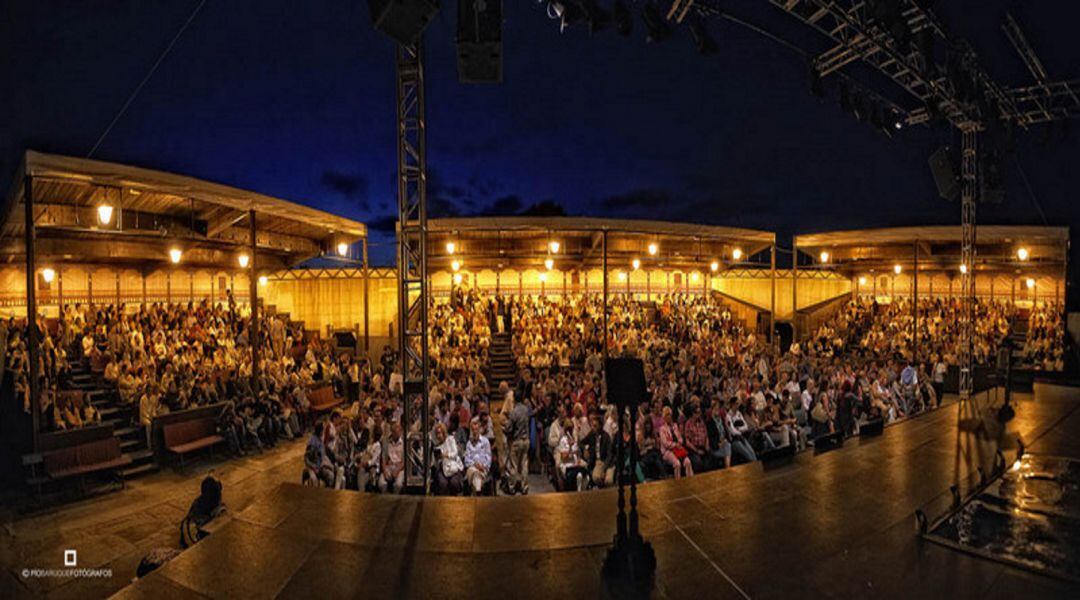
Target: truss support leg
x=969, y=190
x=412, y=264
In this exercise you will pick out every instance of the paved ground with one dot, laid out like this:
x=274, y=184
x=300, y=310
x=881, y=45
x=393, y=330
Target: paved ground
x=838, y=524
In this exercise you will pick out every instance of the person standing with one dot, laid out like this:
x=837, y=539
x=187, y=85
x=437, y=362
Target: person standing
x=516, y=427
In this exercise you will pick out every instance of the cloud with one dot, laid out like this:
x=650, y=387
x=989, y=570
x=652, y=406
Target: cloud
x=386, y=224
x=352, y=186
x=639, y=198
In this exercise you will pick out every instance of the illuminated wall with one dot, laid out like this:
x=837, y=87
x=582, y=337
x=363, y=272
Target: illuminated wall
x=758, y=290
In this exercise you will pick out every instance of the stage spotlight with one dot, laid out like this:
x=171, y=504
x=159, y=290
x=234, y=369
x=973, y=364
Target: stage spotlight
x=624, y=21
x=655, y=28
x=175, y=255
x=479, y=41
x=963, y=269
x=104, y=214
x=48, y=275
x=653, y=249
x=703, y=41
x=342, y=249
x=1030, y=283
x=636, y=264
x=263, y=280
x=451, y=247
x=549, y=264
x=243, y=259
x=1022, y=254
x=553, y=246
x=402, y=20
x=455, y=265
x=897, y=269
x=824, y=256
x=736, y=254
x=714, y=266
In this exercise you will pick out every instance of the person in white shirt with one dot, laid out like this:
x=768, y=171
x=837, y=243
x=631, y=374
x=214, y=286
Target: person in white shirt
x=448, y=472
x=477, y=458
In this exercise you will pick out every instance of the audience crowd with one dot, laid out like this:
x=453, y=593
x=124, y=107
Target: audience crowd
x=718, y=393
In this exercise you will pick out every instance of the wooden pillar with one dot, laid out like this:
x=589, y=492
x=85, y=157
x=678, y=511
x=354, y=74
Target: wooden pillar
x=772, y=290
x=253, y=334
x=60, y=288
x=118, y=302
x=915, y=304
x=30, y=238
x=564, y=284
x=794, y=289
x=144, y=287
x=1012, y=291
x=367, y=311
x=648, y=285
x=191, y=286
x=90, y=285
x=521, y=284
x=604, y=343
x=168, y=287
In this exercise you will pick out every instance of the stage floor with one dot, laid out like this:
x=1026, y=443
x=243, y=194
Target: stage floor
x=839, y=524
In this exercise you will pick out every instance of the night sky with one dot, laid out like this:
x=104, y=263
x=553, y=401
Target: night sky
x=296, y=100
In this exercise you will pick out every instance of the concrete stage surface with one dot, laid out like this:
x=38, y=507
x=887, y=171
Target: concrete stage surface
x=839, y=524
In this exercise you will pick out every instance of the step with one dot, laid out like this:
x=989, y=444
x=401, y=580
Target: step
x=132, y=445
x=141, y=456
x=128, y=431
x=139, y=470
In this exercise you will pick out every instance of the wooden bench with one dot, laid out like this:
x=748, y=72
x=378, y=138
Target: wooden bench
x=322, y=398
x=188, y=436
x=85, y=458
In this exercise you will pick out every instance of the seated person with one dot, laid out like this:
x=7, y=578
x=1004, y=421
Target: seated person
x=448, y=466
x=393, y=461
x=477, y=459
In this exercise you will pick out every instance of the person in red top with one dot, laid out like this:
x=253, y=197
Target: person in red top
x=672, y=448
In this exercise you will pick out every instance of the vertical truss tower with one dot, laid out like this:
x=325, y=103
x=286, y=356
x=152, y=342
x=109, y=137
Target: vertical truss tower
x=412, y=262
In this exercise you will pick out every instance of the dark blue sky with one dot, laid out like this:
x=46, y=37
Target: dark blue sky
x=296, y=100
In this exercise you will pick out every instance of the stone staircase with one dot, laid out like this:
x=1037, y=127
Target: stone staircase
x=502, y=366
x=123, y=418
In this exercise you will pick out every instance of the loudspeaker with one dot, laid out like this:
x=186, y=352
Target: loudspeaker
x=777, y=457
x=941, y=165
x=402, y=20
x=625, y=379
x=479, y=41
x=872, y=428
x=828, y=442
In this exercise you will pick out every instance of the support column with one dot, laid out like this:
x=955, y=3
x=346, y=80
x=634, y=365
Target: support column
x=367, y=311
x=772, y=291
x=31, y=309
x=794, y=290
x=915, y=304
x=118, y=301
x=604, y=343
x=143, y=272
x=969, y=190
x=90, y=286
x=253, y=293
x=60, y=289
x=191, y=286
x=521, y=284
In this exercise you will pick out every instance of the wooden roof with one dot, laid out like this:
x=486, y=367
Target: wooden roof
x=155, y=209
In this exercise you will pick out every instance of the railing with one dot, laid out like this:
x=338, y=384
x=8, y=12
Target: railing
x=808, y=319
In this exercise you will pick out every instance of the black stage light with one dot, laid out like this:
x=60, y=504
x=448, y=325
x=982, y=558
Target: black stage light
x=624, y=21
x=655, y=28
x=479, y=41
x=703, y=41
x=402, y=20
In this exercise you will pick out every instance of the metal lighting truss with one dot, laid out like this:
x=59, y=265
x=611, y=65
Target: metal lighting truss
x=412, y=261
